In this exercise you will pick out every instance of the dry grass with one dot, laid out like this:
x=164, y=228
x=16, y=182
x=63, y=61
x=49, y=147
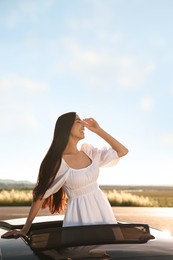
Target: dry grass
x=125, y=198
x=163, y=196
x=15, y=197
x=136, y=198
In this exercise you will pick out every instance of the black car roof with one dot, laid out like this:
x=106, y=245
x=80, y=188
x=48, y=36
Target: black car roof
x=161, y=246
x=50, y=234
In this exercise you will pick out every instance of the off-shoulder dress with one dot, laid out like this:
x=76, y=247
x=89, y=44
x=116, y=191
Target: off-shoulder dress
x=87, y=204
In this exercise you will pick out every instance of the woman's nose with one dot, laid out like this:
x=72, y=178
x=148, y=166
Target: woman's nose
x=82, y=122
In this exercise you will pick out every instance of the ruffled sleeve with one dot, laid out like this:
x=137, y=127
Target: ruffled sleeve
x=106, y=157
x=58, y=181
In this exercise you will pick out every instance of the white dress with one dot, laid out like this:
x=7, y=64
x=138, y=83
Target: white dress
x=87, y=204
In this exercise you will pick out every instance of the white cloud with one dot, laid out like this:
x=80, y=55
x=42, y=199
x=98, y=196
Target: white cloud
x=31, y=38
x=132, y=73
x=30, y=85
x=108, y=68
x=171, y=89
x=28, y=121
x=167, y=139
x=20, y=83
x=18, y=119
x=159, y=41
x=19, y=102
x=12, y=19
x=25, y=9
x=91, y=58
x=146, y=104
x=31, y=7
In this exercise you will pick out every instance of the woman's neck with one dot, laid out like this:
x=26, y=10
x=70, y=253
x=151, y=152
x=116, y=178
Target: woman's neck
x=70, y=151
x=71, y=148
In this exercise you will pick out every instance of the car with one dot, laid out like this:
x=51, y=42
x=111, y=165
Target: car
x=48, y=239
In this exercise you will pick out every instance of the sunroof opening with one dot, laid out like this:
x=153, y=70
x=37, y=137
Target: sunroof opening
x=50, y=238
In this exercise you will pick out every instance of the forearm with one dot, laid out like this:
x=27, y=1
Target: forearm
x=32, y=213
x=93, y=126
x=116, y=145
x=35, y=207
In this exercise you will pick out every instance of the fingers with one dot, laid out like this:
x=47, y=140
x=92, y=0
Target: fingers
x=11, y=234
x=88, y=120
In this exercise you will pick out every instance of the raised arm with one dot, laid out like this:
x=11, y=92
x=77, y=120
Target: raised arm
x=35, y=207
x=93, y=126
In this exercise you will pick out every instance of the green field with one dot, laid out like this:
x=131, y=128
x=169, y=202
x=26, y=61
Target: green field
x=142, y=196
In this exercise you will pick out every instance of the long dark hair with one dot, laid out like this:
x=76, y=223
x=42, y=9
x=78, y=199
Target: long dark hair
x=51, y=164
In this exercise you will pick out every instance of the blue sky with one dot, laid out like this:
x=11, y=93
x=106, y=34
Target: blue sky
x=107, y=59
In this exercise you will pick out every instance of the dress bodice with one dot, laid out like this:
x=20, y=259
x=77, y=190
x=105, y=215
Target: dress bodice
x=86, y=202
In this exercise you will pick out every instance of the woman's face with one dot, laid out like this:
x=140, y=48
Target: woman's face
x=77, y=130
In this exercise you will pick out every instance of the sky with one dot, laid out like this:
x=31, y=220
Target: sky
x=107, y=59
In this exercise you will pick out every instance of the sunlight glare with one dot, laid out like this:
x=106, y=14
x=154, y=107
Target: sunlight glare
x=167, y=233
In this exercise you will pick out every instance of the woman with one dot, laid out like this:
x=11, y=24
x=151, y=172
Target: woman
x=67, y=170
